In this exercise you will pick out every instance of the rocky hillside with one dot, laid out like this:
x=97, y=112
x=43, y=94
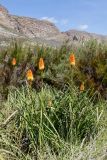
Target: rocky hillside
x=34, y=30
x=81, y=36
x=28, y=28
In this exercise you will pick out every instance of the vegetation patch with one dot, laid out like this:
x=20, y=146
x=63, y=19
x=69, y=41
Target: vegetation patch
x=53, y=102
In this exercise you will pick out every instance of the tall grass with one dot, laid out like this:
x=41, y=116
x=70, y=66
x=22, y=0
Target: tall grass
x=52, y=118
x=71, y=119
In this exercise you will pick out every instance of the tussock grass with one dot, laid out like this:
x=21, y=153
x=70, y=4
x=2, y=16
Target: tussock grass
x=52, y=118
x=65, y=129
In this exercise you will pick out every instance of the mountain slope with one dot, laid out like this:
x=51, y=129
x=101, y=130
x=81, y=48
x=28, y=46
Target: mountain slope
x=79, y=36
x=41, y=31
x=29, y=28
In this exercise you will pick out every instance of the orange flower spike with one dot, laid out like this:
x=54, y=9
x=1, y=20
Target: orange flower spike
x=72, y=59
x=29, y=75
x=13, y=61
x=41, y=64
x=82, y=87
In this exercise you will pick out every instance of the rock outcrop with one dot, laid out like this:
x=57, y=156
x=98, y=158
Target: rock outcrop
x=81, y=36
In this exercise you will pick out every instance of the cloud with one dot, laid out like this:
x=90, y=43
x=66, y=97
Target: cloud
x=64, y=21
x=54, y=20
x=50, y=19
x=83, y=27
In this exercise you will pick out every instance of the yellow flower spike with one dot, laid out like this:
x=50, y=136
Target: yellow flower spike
x=13, y=61
x=29, y=75
x=82, y=87
x=49, y=103
x=72, y=59
x=41, y=64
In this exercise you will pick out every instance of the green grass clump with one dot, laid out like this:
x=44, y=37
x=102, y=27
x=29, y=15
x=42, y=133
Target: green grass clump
x=70, y=119
x=51, y=118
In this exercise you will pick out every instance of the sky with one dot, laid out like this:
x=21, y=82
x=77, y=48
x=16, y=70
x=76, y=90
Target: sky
x=84, y=15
